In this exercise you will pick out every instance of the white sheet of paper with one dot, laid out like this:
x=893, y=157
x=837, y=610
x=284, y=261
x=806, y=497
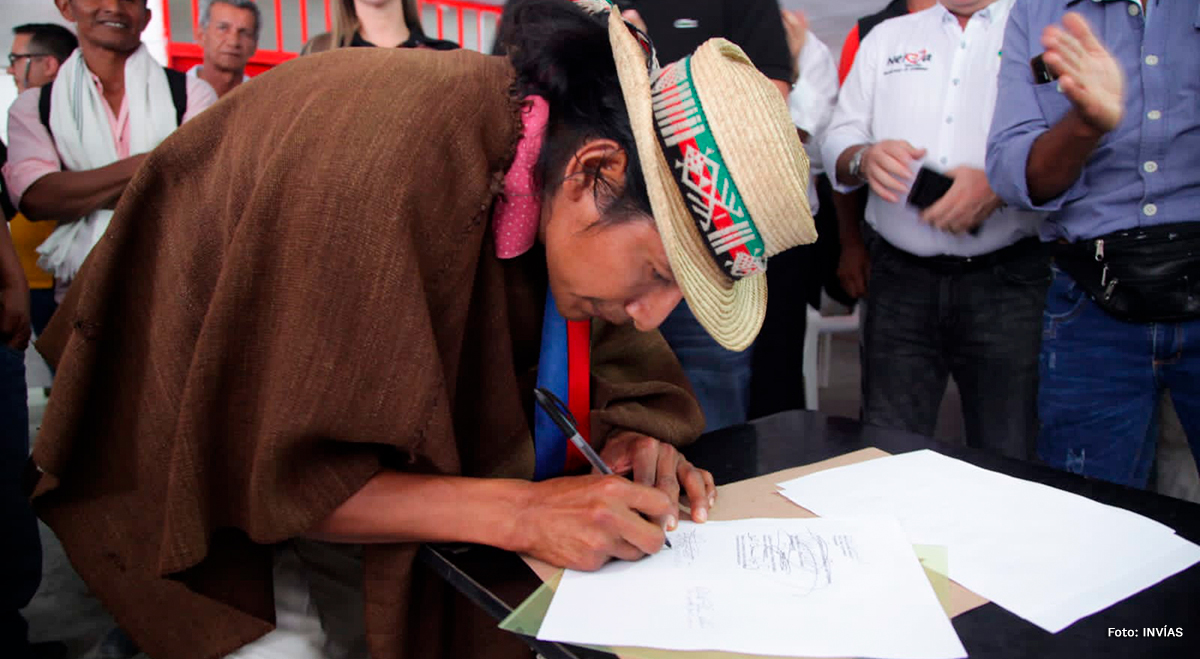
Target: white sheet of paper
x=798, y=587
x=1048, y=556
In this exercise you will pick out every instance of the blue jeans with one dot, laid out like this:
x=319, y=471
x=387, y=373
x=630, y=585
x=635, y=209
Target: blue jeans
x=1100, y=382
x=20, y=549
x=720, y=377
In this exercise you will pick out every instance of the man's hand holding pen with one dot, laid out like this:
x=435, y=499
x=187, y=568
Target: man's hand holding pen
x=582, y=522
x=660, y=465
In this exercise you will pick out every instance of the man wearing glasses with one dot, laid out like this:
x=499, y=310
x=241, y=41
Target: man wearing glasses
x=38, y=49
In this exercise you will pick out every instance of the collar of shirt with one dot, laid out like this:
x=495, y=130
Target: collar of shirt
x=195, y=72
x=414, y=41
x=118, y=122
x=518, y=210
x=986, y=14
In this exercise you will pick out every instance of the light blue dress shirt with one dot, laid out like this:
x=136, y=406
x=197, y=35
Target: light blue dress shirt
x=1147, y=171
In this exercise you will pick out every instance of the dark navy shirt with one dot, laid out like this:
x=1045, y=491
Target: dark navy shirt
x=415, y=40
x=678, y=27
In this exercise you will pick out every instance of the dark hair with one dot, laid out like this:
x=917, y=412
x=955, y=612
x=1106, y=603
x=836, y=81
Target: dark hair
x=562, y=53
x=52, y=39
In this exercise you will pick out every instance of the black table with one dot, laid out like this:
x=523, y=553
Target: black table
x=498, y=581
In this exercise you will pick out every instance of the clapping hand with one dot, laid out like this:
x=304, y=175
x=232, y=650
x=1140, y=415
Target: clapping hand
x=1088, y=74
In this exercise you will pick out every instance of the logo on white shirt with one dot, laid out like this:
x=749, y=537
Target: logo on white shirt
x=915, y=61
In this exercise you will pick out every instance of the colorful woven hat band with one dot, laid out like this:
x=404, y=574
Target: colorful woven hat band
x=712, y=197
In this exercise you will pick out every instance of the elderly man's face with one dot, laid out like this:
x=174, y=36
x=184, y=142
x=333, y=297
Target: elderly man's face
x=28, y=66
x=229, y=40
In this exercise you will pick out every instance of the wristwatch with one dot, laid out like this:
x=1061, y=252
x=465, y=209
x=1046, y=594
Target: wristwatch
x=855, y=164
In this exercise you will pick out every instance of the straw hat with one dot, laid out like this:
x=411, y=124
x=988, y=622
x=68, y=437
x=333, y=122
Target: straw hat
x=726, y=174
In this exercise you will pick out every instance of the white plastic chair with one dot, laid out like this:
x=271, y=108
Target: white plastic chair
x=817, y=355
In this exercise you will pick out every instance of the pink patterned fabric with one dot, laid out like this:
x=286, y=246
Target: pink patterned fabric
x=518, y=211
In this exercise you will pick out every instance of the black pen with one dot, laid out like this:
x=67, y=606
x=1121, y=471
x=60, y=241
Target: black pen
x=562, y=417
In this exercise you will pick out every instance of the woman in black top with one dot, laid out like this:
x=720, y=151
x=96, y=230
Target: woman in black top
x=384, y=23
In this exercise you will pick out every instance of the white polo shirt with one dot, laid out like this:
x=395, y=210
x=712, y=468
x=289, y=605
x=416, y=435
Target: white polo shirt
x=194, y=72
x=811, y=103
x=925, y=79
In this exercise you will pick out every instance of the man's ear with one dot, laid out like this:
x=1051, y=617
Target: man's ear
x=52, y=66
x=64, y=8
x=598, y=157
x=149, y=15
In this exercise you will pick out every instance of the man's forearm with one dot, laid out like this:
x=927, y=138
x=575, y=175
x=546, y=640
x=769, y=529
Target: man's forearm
x=1057, y=157
x=12, y=275
x=397, y=507
x=849, y=210
x=14, y=296
x=842, y=167
x=67, y=196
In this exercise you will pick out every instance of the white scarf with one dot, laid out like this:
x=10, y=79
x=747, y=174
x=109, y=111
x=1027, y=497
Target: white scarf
x=85, y=141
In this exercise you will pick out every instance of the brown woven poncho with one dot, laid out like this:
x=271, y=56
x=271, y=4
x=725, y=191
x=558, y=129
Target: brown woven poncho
x=299, y=289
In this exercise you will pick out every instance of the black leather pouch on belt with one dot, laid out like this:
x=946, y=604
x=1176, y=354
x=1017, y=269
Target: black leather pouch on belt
x=1143, y=275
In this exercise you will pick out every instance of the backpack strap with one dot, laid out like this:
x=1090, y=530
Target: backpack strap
x=177, y=80
x=44, y=106
x=44, y=115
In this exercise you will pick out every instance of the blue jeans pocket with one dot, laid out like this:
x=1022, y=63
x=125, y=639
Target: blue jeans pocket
x=1064, y=303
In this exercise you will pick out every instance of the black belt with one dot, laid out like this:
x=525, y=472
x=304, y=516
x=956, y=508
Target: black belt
x=950, y=265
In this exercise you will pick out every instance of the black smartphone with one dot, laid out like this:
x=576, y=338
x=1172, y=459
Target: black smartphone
x=1041, y=73
x=928, y=187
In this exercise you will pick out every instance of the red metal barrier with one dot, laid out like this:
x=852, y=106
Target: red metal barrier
x=183, y=52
